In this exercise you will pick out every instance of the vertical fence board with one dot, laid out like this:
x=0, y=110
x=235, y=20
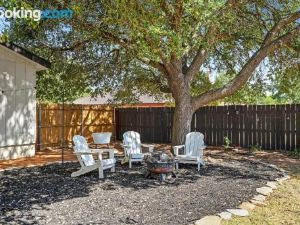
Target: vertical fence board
x=224, y=123
x=220, y=126
x=247, y=126
x=235, y=126
x=270, y=126
x=293, y=127
x=287, y=129
x=242, y=125
x=58, y=124
x=260, y=125
x=282, y=118
x=297, y=126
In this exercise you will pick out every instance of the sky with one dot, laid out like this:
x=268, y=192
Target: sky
x=2, y=25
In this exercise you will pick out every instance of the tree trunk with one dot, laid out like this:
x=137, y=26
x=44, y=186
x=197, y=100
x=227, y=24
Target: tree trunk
x=182, y=120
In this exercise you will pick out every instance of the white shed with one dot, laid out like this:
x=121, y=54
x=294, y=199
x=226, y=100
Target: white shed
x=18, y=69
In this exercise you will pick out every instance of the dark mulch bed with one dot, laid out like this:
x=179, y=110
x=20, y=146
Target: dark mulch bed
x=48, y=195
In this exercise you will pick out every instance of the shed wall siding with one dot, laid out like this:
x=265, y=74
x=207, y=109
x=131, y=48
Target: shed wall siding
x=17, y=102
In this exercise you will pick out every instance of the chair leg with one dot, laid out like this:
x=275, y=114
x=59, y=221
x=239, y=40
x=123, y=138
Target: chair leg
x=113, y=169
x=176, y=166
x=130, y=164
x=202, y=162
x=101, y=173
x=199, y=166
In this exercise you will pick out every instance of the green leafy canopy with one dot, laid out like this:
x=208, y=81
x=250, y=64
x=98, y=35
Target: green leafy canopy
x=123, y=46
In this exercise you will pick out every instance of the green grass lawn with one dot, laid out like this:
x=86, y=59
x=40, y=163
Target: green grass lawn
x=283, y=206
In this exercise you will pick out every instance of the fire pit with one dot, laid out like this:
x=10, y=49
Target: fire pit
x=160, y=162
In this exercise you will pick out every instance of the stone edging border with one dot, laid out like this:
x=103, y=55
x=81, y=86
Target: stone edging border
x=244, y=208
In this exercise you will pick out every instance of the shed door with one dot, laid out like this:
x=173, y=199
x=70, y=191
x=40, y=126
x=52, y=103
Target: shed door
x=17, y=104
x=3, y=103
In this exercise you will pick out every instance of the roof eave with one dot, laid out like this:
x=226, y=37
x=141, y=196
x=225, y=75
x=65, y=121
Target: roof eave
x=41, y=63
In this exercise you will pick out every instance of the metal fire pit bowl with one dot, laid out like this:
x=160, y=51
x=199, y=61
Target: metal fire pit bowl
x=160, y=167
x=161, y=163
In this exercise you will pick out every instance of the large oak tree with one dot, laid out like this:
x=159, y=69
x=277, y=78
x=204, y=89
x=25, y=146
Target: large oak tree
x=169, y=46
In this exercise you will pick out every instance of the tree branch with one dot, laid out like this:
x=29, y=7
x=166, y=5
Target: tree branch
x=246, y=72
x=162, y=87
x=115, y=39
x=71, y=47
x=202, y=53
x=196, y=64
x=278, y=26
x=159, y=66
x=157, y=81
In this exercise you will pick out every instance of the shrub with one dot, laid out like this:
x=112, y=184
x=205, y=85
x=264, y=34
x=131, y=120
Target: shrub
x=255, y=148
x=227, y=142
x=295, y=153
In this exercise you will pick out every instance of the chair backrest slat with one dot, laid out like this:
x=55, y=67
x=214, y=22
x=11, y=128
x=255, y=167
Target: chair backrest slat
x=194, y=141
x=81, y=145
x=133, y=140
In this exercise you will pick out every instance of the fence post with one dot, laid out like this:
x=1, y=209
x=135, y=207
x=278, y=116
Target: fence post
x=39, y=127
x=297, y=111
x=81, y=124
x=114, y=122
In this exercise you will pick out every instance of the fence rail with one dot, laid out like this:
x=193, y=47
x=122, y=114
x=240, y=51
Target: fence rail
x=57, y=124
x=269, y=126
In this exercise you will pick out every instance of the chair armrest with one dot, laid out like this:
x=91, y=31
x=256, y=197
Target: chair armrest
x=111, y=152
x=84, y=153
x=92, y=145
x=176, y=149
x=96, y=150
x=102, y=150
x=125, y=147
x=147, y=145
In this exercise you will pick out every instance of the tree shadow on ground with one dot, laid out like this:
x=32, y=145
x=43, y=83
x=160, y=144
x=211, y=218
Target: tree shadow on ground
x=36, y=187
x=24, y=190
x=237, y=169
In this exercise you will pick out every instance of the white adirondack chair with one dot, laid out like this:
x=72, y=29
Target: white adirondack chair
x=193, y=150
x=87, y=161
x=102, y=138
x=133, y=147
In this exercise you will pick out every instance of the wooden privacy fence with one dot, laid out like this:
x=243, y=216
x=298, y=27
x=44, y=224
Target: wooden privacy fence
x=269, y=126
x=57, y=124
x=153, y=124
